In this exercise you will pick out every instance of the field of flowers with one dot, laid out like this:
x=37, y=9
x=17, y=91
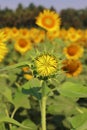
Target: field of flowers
x=43, y=76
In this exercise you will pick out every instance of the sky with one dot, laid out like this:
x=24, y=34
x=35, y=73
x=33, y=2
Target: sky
x=57, y=4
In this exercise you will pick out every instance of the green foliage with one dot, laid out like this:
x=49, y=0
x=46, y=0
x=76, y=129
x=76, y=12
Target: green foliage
x=28, y=123
x=79, y=122
x=24, y=102
x=10, y=120
x=32, y=88
x=73, y=90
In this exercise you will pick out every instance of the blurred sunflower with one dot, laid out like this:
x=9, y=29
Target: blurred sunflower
x=73, y=51
x=62, y=34
x=28, y=76
x=48, y=20
x=52, y=35
x=72, y=67
x=46, y=64
x=3, y=51
x=4, y=35
x=27, y=73
x=14, y=33
x=22, y=45
x=24, y=32
x=36, y=35
x=3, y=48
x=72, y=35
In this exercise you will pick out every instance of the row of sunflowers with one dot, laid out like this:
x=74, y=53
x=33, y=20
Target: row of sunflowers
x=42, y=64
x=23, y=40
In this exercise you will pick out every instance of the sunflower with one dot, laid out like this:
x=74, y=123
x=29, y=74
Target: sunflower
x=46, y=65
x=3, y=51
x=36, y=35
x=72, y=35
x=24, y=32
x=28, y=76
x=72, y=67
x=14, y=33
x=62, y=34
x=22, y=45
x=48, y=20
x=52, y=35
x=73, y=51
x=4, y=36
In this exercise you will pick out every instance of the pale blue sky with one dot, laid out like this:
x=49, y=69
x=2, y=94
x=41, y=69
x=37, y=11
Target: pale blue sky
x=57, y=4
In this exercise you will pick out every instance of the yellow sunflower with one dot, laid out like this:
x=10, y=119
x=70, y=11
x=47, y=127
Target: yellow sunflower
x=48, y=20
x=4, y=35
x=62, y=34
x=22, y=45
x=72, y=35
x=24, y=32
x=72, y=67
x=3, y=51
x=14, y=33
x=52, y=35
x=46, y=65
x=73, y=51
x=36, y=35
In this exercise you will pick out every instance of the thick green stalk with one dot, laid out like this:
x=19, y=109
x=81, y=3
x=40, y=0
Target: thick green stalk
x=43, y=106
x=43, y=113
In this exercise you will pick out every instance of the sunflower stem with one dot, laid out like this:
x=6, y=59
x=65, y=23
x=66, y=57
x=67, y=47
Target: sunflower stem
x=43, y=109
x=43, y=113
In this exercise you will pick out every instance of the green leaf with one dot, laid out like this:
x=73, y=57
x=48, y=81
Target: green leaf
x=10, y=120
x=14, y=128
x=61, y=105
x=73, y=90
x=79, y=122
x=5, y=90
x=14, y=66
x=28, y=123
x=21, y=100
x=2, y=126
x=31, y=54
x=32, y=87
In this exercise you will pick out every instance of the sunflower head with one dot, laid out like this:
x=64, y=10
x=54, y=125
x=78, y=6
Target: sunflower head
x=3, y=51
x=14, y=33
x=46, y=65
x=73, y=51
x=72, y=35
x=22, y=45
x=72, y=67
x=48, y=20
x=4, y=36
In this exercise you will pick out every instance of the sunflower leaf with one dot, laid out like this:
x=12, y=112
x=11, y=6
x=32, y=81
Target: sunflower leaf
x=14, y=66
x=10, y=120
x=73, y=90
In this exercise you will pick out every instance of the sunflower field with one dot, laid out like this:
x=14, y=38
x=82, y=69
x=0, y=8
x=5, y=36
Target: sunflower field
x=43, y=76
